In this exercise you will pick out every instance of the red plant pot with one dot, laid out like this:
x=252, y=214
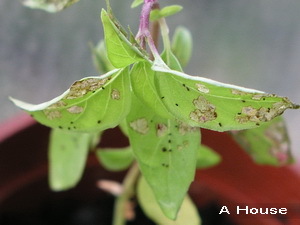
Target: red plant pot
x=236, y=181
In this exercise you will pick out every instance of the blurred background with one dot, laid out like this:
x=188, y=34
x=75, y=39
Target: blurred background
x=248, y=43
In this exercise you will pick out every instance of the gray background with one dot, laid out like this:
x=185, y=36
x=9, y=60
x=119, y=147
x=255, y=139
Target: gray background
x=249, y=43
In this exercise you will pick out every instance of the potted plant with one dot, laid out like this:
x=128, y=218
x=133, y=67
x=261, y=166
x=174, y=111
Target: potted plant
x=161, y=110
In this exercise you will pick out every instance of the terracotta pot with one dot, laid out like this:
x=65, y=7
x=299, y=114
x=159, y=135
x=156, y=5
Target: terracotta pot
x=236, y=181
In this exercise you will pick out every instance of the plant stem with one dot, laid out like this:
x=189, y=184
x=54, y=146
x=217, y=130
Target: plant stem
x=144, y=36
x=165, y=33
x=128, y=192
x=155, y=27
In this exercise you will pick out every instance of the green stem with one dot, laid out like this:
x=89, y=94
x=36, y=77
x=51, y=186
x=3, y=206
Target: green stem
x=165, y=34
x=128, y=192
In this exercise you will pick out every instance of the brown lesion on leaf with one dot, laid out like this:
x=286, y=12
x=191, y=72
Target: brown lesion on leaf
x=184, y=128
x=184, y=145
x=75, y=109
x=82, y=87
x=262, y=96
x=263, y=114
x=161, y=129
x=205, y=111
x=52, y=114
x=58, y=104
x=140, y=125
x=277, y=135
x=202, y=88
x=115, y=94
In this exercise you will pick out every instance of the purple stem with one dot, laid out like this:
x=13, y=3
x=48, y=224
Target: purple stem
x=144, y=32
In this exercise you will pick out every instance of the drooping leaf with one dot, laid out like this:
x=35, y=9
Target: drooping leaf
x=268, y=144
x=206, y=157
x=115, y=159
x=100, y=60
x=213, y=105
x=136, y=3
x=165, y=12
x=93, y=103
x=49, y=5
x=166, y=151
x=187, y=214
x=142, y=82
x=121, y=52
x=67, y=156
x=182, y=44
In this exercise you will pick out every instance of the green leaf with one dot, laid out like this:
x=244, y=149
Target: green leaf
x=269, y=144
x=164, y=12
x=49, y=5
x=115, y=159
x=93, y=103
x=121, y=52
x=213, y=105
x=207, y=157
x=67, y=156
x=166, y=151
x=136, y=3
x=142, y=82
x=99, y=56
x=182, y=44
x=188, y=211
x=171, y=60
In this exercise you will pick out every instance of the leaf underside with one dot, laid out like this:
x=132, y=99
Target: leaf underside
x=67, y=156
x=91, y=104
x=166, y=151
x=188, y=211
x=268, y=144
x=217, y=106
x=121, y=52
x=115, y=159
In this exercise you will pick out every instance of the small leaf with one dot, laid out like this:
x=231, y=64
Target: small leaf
x=91, y=104
x=142, y=81
x=188, y=211
x=121, y=52
x=166, y=151
x=136, y=3
x=100, y=60
x=213, y=105
x=207, y=157
x=115, y=159
x=67, y=156
x=269, y=144
x=164, y=12
x=182, y=45
x=49, y=5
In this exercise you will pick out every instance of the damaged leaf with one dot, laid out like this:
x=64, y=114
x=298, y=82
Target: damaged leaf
x=93, y=103
x=166, y=151
x=217, y=106
x=268, y=144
